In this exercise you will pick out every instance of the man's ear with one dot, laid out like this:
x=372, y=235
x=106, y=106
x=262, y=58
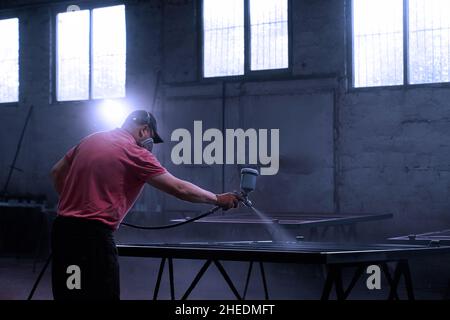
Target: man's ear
x=141, y=131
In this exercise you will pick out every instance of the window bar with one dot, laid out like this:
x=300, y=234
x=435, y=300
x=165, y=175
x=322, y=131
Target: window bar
x=267, y=16
x=278, y=14
x=441, y=31
x=389, y=44
x=424, y=40
x=220, y=31
x=290, y=36
x=352, y=38
x=380, y=41
x=227, y=37
x=247, y=37
x=433, y=73
x=91, y=36
x=55, y=59
x=201, y=43
x=405, y=42
x=417, y=31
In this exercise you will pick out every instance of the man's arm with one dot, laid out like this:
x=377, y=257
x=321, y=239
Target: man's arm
x=187, y=191
x=59, y=173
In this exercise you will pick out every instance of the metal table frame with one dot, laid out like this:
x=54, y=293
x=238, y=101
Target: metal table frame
x=343, y=225
x=335, y=263
x=441, y=237
x=200, y=274
x=434, y=238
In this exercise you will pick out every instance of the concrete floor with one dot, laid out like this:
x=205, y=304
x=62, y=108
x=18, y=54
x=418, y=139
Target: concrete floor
x=138, y=277
x=285, y=281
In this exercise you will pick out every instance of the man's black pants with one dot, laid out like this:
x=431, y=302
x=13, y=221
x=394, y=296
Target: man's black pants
x=85, y=264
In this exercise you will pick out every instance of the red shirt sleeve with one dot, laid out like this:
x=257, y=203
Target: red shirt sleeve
x=71, y=154
x=144, y=164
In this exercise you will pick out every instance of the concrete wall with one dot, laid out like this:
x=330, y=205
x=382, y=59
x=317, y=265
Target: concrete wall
x=394, y=150
x=353, y=151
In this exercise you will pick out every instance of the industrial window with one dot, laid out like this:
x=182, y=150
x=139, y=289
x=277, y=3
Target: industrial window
x=378, y=42
x=399, y=42
x=236, y=29
x=269, y=34
x=429, y=35
x=91, y=54
x=9, y=60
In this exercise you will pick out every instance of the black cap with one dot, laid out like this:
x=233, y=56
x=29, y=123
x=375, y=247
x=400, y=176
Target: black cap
x=144, y=117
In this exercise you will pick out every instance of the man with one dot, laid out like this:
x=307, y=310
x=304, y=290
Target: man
x=98, y=181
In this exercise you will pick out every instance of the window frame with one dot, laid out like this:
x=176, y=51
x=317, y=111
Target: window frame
x=350, y=55
x=54, y=48
x=248, y=73
x=13, y=14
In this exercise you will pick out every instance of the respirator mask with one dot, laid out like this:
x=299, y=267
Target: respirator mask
x=143, y=117
x=147, y=144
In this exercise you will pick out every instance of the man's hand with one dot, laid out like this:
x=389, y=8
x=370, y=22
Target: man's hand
x=228, y=200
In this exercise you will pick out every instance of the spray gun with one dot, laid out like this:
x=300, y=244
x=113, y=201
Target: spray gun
x=248, y=184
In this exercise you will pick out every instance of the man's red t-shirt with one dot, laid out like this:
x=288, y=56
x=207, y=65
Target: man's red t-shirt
x=107, y=173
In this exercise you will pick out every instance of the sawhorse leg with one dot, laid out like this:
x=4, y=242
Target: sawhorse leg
x=401, y=269
x=196, y=279
x=202, y=272
x=171, y=280
x=263, y=278
x=334, y=279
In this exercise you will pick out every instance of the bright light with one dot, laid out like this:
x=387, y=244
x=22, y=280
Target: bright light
x=113, y=113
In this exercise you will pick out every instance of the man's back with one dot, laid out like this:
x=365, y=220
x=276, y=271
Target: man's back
x=106, y=174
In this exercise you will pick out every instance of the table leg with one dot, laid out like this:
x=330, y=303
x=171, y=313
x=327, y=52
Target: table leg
x=334, y=277
x=40, y=241
x=172, y=286
x=339, y=284
x=263, y=276
x=158, y=280
x=329, y=280
x=401, y=269
x=247, y=280
x=357, y=275
x=227, y=279
x=408, y=280
x=393, y=295
x=196, y=279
